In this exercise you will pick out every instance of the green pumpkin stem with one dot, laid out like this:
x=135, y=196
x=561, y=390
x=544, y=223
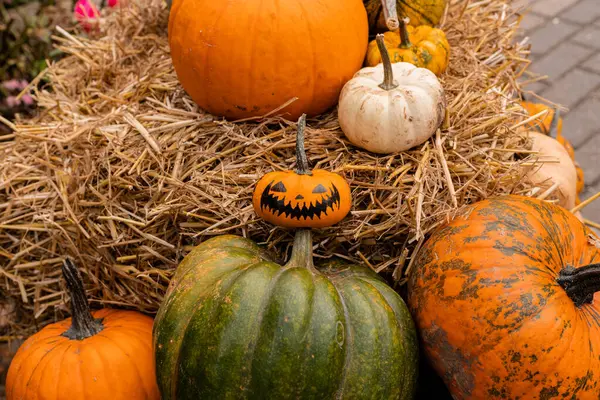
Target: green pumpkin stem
x=83, y=324
x=302, y=250
x=388, y=74
x=390, y=14
x=302, y=167
x=553, y=130
x=580, y=283
x=404, y=38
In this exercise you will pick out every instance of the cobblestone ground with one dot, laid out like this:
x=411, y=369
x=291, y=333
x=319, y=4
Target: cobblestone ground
x=565, y=46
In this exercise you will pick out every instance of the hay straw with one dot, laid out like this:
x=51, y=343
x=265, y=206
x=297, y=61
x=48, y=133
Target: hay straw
x=124, y=173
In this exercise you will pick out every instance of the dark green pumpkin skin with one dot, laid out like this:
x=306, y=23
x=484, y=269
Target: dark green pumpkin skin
x=235, y=325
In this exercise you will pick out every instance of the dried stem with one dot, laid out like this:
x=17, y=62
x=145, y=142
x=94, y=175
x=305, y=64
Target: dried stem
x=404, y=37
x=302, y=167
x=388, y=74
x=83, y=324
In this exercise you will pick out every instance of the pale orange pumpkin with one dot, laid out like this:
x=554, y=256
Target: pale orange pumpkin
x=246, y=58
x=552, y=125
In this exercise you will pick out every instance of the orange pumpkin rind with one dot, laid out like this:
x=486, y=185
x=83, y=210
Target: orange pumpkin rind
x=302, y=198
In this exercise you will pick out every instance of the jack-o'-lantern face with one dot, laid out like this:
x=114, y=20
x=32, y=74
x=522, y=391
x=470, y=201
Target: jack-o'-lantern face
x=302, y=198
x=293, y=200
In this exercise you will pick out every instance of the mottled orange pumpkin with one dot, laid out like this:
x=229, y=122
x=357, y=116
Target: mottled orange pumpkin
x=546, y=126
x=420, y=12
x=91, y=356
x=423, y=46
x=247, y=58
x=504, y=298
x=302, y=198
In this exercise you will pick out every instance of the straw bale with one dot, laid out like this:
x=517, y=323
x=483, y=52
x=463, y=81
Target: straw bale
x=123, y=172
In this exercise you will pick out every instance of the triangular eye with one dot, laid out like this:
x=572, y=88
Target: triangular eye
x=320, y=189
x=279, y=187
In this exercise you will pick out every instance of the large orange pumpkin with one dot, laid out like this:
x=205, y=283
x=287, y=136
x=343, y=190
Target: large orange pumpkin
x=245, y=58
x=92, y=356
x=503, y=296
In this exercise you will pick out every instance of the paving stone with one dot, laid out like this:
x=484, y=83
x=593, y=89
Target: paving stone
x=593, y=64
x=587, y=155
x=537, y=87
x=561, y=59
x=573, y=88
x=531, y=21
x=591, y=211
x=551, y=8
x=549, y=35
x=584, y=12
x=582, y=122
x=522, y=4
x=590, y=37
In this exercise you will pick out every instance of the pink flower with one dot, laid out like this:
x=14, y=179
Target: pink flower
x=12, y=102
x=27, y=100
x=87, y=14
x=113, y=3
x=12, y=86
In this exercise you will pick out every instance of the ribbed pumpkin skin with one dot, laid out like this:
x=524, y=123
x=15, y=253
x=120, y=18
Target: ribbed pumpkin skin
x=115, y=364
x=493, y=320
x=244, y=58
x=242, y=327
x=420, y=12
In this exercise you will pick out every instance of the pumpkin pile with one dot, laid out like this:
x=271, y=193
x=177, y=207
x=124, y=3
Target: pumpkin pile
x=273, y=252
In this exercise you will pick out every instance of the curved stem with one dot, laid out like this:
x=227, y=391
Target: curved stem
x=553, y=131
x=404, y=38
x=302, y=167
x=388, y=74
x=390, y=14
x=83, y=324
x=302, y=250
x=580, y=283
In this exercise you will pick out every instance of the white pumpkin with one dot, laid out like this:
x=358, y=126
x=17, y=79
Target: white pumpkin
x=557, y=169
x=391, y=107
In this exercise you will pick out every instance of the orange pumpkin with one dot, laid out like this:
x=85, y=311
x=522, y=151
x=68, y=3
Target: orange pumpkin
x=302, y=198
x=546, y=126
x=503, y=296
x=93, y=356
x=246, y=58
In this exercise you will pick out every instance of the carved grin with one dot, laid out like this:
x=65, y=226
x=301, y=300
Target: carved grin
x=278, y=207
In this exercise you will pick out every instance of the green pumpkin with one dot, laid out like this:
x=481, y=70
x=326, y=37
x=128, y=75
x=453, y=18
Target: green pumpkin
x=236, y=325
x=420, y=12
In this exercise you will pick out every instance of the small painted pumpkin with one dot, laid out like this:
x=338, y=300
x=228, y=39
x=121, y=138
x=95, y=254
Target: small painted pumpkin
x=91, y=356
x=504, y=300
x=302, y=198
x=391, y=107
x=236, y=325
x=423, y=46
x=247, y=58
x=420, y=12
x=544, y=126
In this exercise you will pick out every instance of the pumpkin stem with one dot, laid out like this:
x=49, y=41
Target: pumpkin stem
x=404, y=38
x=302, y=250
x=553, y=131
x=83, y=325
x=580, y=283
x=302, y=167
x=388, y=74
x=390, y=14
